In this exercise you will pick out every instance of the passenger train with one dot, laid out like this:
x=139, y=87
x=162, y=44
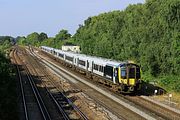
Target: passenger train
x=121, y=76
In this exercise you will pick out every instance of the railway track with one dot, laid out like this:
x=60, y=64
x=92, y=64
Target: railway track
x=118, y=110
x=64, y=105
x=31, y=99
x=21, y=86
x=149, y=107
x=157, y=109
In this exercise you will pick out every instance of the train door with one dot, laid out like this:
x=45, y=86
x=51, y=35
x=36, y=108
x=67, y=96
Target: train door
x=91, y=66
x=87, y=65
x=115, y=75
x=75, y=61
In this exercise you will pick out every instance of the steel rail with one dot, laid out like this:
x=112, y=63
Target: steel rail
x=60, y=108
x=41, y=104
x=82, y=115
x=21, y=85
x=38, y=97
x=154, y=112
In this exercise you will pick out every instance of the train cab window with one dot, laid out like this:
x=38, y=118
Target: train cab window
x=131, y=72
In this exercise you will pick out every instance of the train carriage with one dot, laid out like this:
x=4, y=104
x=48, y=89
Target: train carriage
x=124, y=75
x=60, y=54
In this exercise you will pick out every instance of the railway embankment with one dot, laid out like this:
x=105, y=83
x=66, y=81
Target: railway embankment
x=8, y=88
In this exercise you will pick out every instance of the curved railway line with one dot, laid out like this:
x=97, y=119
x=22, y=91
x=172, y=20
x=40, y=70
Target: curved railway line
x=59, y=98
x=46, y=93
x=149, y=107
x=118, y=110
x=30, y=94
x=43, y=99
x=21, y=86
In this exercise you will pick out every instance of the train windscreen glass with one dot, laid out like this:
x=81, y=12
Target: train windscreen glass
x=131, y=72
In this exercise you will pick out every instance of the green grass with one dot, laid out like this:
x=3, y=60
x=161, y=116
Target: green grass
x=171, y=83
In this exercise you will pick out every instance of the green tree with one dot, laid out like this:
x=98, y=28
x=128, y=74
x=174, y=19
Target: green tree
x=42, y=36
x=21, y=40
x=145, y=33
x=63, y=35
x=33, y=39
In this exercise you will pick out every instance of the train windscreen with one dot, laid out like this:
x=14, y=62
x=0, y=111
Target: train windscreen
x=131, y=72
x=134, y=72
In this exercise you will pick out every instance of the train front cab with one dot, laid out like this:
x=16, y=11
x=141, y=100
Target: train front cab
x=129, y=77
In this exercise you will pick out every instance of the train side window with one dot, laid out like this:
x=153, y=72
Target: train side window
x=95, y=67
x=108, y=71
x=101, y=68
x=123, y=73
x=81, y=62
x=61, y=55
x=69, y=58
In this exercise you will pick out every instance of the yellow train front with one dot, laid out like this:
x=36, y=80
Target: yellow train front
x=129, y=77
x=125, y=76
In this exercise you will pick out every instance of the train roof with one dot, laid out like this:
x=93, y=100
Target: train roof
x=48, y=48
x=100, y=60
x=58, y=51
x=97, y=60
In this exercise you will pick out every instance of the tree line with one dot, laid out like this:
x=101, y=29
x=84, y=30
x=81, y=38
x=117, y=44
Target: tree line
x=148, y=34
x=37, y=39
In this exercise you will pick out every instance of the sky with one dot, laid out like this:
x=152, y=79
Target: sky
x=22, y=17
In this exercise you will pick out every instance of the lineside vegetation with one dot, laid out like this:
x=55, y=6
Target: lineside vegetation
x=8, y=85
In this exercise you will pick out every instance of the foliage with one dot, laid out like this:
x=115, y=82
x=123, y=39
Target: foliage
x=5, y=42
x=60, y=39
x=32, y=39
x=148, y=34
x=8, y=96
x=42, y=36
x=63, y=35
x=171, y=83
x=36, y=39
x=21, y=40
